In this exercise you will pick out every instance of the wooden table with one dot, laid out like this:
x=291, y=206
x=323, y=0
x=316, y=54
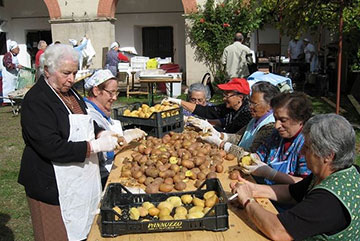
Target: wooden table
x=240, y=226
x=152, y=81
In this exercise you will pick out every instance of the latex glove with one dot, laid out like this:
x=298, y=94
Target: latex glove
x=104, y=143
x=133, y=134
x=172, y=100
x=204, y=125
x=212, y=139
x=259, y=168
x=109, y=133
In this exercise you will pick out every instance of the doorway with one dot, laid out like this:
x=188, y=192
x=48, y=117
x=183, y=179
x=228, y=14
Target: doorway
x=158, y=42
x=32, y=39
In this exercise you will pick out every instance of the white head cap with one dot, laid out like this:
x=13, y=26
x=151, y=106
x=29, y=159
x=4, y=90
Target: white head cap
x=13, y=45
x=114, y=45
x=306, y=40
x=98, y=78
x=73, y=42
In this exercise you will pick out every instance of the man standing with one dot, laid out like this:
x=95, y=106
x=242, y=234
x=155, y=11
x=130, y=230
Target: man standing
x=237, y=56
x=310, y=55
x=296, y=50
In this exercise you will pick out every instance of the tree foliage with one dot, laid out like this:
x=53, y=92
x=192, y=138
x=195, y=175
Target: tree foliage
x=213, y=28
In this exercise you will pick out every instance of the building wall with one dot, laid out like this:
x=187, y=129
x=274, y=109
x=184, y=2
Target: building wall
x=131, y=17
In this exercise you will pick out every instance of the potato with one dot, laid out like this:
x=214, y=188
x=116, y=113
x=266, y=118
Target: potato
x=198, y=183
x=164, y=212
x=179, y=216
x=211, y=175
x=147, y=205
x=181, y=211
x=201, y=176
x=137, y=174
x=165, y=204
x=148, y=181
x=152, y=172
x=175, y=168
x=141, y=179
x=209, y=194
x=198, y=202
x=211, y=201
x=186, y=199
x=173, y=160
x=118, y=211
x=154, y=211
x=180, y=185
x=196, y=209
x=195, y=215
x=142, y=211
x=152, y=188
x=169, y=181
x=188, y=164
x=175, y=201
x=230, y=157
x=206, y=211
x=165, y=187
x=166, y=217
x=246, y=160
x=234, y=175
x=134, y=213
x=126, y=173
x=219, y=168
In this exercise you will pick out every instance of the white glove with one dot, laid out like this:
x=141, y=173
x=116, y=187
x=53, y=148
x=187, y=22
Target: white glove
x=109, y=133
x=204, y=125
x=133, y=134
x=259, y=168
x=172, y=100
x=104, y=143
x=212, y=139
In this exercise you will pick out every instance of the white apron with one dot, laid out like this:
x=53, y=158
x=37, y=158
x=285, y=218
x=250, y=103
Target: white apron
x=79, y=183
x=117, y=128
x=9, y=79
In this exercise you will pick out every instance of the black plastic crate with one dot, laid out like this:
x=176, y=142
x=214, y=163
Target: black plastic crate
x=155, y=125
x=115, y=196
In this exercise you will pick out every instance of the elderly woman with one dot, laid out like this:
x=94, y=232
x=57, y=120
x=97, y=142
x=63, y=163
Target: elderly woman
x=41, y=49
x=279, y=159
x=234, y=114
x=199, y=94
x=327, y=201
x=102, y=92
x=59, y=167
x=250, y=137
x=113, y=57
x=10, y=70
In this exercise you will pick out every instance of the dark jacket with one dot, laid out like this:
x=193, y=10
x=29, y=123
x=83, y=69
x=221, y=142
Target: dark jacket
x=45, y=130
x=232, y=121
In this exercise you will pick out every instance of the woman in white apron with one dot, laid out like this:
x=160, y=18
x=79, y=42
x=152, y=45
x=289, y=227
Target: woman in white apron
x=102, y=92
x=59, y=167
x=10, y=70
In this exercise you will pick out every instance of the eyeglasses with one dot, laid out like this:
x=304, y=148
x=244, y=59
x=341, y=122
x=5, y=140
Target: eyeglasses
x=252, y=104
x=111, y=93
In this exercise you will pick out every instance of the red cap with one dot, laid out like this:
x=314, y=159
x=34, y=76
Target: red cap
x=236, y=84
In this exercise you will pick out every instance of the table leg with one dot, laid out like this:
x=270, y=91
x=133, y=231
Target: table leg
x=133, y=81
x=171, y=89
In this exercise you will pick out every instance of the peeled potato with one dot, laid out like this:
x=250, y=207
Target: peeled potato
x=175, y=201
x=186, y=199
x=166, y=217
x=165, y=204
x=198, y=202
x=195, y=215
x=196, y=209
x=164, y=212
x=134, y=213
x=178, y=216
x=211, y=201
x=209, y=194
x=142, y=211
x=246, y=160
x=148, y=205
x=181, y=211
x=153, y=211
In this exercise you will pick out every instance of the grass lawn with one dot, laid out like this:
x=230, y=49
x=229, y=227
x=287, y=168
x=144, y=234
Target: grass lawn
x=15, y=223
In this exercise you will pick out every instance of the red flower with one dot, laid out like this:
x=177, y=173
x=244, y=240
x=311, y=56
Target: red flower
x=202, y=20
x=225, y=25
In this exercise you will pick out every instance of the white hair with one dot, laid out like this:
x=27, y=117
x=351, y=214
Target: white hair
x=55, y=54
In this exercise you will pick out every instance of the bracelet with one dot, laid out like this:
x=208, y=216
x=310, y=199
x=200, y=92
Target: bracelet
x=248, y=201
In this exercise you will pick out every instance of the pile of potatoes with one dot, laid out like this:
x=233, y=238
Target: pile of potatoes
x=170, y=162
x=146, y=111
x=174, y=208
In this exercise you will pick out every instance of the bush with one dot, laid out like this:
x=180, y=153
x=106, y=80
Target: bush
x=213, y=28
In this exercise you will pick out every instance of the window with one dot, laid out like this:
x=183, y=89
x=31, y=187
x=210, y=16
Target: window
x=1, y=3
x=2, y=43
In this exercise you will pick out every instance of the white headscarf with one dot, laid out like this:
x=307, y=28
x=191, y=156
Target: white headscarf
x=73, y=42
x=114, y=45
x=98, y=78
x=13, y=45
